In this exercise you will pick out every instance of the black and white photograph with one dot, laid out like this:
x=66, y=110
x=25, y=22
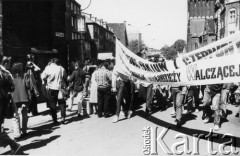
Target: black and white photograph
x=120, y=77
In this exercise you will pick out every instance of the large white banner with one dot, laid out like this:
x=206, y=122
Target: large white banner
x=215, y=63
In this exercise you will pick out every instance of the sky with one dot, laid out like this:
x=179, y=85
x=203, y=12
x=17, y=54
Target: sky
x=167, y=18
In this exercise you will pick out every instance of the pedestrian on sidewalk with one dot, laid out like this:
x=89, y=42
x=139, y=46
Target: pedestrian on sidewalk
x=21, y=100
x=53, y=75
x=78, y=78
x=6, y=86
x=33, y=71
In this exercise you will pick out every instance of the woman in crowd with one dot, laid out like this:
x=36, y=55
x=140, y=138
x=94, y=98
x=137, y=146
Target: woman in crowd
x=21, y=100
x=93, y=94
x=78, y=79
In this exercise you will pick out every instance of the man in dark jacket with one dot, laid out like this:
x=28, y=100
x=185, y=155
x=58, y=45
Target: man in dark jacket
x=6, y=86
x=78, y=79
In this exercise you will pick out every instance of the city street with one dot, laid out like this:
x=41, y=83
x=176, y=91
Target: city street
x=93, y=136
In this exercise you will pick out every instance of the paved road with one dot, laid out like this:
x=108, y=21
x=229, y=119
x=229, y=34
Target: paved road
x=92, y=136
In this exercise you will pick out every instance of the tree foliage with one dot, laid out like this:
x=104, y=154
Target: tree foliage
x=179, y=45
x=171, y=52
x=136, y=46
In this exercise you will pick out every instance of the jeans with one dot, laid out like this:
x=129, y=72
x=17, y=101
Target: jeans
x=103, y=100
x=215, y=106
x=177, y=102
x=20, y=120
x=79, y=98
x=149, y=97
x=125, y=91
x=224, y=97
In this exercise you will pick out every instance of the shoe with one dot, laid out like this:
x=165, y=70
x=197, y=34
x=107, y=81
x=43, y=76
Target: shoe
x=107, y=115
x=115, y=119
x=69, y=110
x=189, y=112
x=173, y=113
x=24, y=135
x=178, y=123
x=15, y=148
x=147, y=113
x=35, y=114
x=17, y=139
x=196, y=110
x=56, y=123
x=79, y=115
x=126, y=114
x=216, y=128
x=206, y=120
x=129, y=114
x=63, y=121
x=223, y=114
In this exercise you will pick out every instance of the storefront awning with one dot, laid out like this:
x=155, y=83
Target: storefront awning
x=105, y=56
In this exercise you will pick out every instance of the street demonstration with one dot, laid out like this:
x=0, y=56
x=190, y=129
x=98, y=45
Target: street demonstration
x=73, y=84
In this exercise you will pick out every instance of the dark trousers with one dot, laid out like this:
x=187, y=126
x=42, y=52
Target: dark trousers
x=193, y=93
x=52, y=103
x=103, y=100
x=149, y=96
x=33, y=105
x=125, y=91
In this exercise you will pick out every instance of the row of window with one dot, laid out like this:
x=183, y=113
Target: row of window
x=75, y=8
x=76, y=36
x=74, y=22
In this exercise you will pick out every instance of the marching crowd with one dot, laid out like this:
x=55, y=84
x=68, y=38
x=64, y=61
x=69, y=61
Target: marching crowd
x=108, y=92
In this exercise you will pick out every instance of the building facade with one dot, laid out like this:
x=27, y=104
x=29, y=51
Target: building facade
x=47, y=28
x=99, y=37
x=232, y=19
x=201, y=28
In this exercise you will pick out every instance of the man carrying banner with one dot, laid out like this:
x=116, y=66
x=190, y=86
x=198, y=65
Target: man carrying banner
x=125, y=91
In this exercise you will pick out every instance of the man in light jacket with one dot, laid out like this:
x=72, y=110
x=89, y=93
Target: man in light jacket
x=53, y=74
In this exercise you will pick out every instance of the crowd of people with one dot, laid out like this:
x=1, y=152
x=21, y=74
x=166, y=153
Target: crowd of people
x=108, y=92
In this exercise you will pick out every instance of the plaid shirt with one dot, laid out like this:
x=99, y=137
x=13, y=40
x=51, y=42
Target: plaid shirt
x=103, y=77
